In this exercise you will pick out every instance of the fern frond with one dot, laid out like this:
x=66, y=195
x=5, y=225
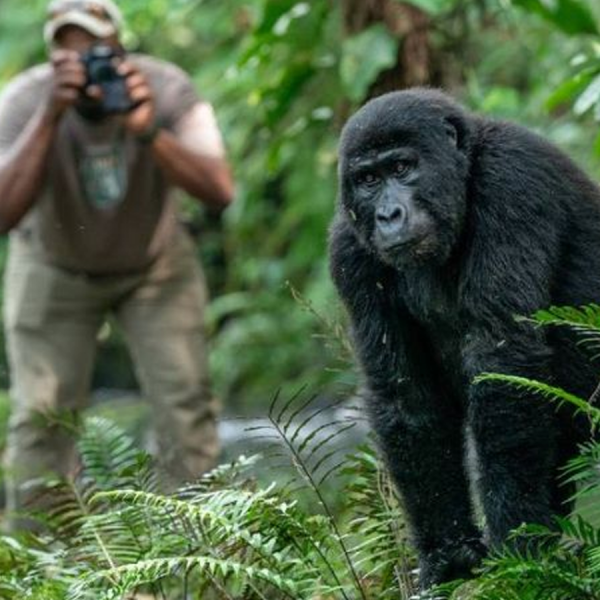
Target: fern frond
x=544, y=390
x=585, y=318
x=256, y=526
x=111, y=459
x=308, y=474
x=577, y=534
x=130, y=577
x=379, y=541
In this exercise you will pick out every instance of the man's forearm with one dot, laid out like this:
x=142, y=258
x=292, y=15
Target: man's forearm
x=204, y=177
x=22, y=169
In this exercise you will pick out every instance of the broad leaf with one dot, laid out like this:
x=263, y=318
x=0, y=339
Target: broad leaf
x=568, y=90
x=590, y=96
x=571, y=16
x=364, y=56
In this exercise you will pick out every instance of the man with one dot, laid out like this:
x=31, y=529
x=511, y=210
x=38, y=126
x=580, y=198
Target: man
x=87, y=198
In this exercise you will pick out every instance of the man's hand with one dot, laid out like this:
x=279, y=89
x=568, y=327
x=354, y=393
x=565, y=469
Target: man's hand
x=68, y=82
x=141, y=118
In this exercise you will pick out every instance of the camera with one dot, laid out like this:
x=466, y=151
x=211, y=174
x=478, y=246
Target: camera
x=101, y=70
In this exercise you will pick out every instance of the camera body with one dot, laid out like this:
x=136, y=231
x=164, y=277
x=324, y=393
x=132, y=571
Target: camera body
x=101, y=70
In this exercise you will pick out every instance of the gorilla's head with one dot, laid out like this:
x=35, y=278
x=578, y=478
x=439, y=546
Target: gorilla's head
x=404, y=165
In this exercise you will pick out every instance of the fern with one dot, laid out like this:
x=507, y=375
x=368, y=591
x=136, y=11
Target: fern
x=546, y=391
x=377, y=526
x=584, y=318
x=129, y=577
x=114, y=533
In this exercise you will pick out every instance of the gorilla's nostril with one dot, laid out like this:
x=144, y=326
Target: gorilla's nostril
x=396, y=214
x=389, y=215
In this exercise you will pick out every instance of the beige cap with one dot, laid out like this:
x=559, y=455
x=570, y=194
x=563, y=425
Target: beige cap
x=101, y=18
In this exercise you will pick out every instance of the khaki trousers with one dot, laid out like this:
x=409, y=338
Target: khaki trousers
x=52, y=319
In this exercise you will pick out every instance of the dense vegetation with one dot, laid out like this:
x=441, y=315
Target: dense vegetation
x=283, y=76
x=110, y=532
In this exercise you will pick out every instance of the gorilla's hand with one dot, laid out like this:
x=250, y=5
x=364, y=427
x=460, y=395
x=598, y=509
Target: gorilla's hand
x=455, y=560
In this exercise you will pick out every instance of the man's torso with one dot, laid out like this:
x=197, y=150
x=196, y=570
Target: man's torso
x=105, y=206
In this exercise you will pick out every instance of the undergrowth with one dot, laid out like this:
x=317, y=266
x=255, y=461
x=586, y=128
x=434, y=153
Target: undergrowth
x=110, y=533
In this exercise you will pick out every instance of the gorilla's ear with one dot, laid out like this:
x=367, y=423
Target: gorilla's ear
x=451, y=132
x=458, y=130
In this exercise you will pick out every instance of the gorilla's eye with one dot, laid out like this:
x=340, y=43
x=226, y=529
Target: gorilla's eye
x=402, y=167
x=368, y=178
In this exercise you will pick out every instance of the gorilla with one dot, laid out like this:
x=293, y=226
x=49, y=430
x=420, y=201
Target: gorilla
x=448, y=226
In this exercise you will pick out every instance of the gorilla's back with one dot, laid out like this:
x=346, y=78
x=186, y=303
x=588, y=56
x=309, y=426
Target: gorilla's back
x=551, y=192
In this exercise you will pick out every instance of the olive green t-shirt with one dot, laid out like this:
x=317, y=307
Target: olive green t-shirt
x=105, y=206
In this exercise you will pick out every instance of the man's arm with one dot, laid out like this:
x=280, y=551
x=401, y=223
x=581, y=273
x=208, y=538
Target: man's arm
x=22, y=166
x=21, y=170
x=205, y=177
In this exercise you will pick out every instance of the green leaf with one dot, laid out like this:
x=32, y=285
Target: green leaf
x=568, y=90
x=586, y=317
x=545, y=390
x=570, y=16
x=589, y=97
x=364, y=56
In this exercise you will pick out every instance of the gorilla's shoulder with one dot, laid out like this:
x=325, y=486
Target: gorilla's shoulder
x=525, y=157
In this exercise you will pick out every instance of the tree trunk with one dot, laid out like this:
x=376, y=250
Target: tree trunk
x=407, y=23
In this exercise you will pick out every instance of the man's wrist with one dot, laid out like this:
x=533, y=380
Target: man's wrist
x=50, y=115
x=148, y=135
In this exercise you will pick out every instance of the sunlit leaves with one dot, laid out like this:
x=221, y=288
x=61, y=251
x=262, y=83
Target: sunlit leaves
x=570, y=89
x=589, y=98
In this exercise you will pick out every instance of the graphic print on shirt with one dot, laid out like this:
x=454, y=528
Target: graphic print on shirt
x=103, y=174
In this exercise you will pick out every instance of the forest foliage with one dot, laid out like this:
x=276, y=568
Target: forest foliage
x=109, y=532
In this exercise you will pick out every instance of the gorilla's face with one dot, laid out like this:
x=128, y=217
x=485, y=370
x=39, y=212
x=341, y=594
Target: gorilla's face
x=386, y=208
x=403, y=181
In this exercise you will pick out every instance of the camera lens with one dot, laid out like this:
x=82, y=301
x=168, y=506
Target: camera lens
x=102, y=72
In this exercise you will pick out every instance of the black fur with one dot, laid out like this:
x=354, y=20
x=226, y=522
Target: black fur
x=511, y=225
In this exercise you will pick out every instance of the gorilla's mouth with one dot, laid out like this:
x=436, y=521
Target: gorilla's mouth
x=414, y=249
x=405, y=244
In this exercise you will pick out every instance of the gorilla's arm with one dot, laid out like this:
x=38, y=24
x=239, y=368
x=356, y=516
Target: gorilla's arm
x=508, y=274
x=419, y=431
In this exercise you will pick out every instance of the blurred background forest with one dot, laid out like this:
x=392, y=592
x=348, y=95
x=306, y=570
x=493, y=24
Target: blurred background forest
x=283, y=76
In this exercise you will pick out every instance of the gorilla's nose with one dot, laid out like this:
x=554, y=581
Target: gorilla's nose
x=391, y=219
